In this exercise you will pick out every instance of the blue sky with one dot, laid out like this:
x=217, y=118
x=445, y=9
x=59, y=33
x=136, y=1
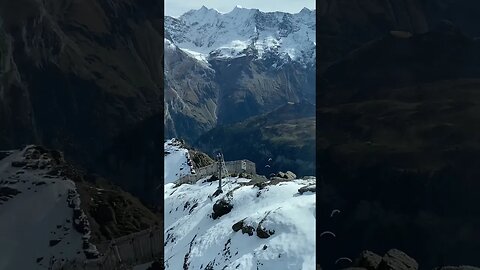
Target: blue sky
x=178, y=7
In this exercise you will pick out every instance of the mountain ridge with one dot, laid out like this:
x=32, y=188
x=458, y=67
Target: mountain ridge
x=232, y=34
x=241, y=64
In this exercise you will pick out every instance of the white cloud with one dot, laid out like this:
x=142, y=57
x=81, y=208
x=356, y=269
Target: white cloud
x=178, y=7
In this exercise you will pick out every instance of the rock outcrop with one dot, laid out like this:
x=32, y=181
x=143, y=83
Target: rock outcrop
x=368, y=260
x=221, y=207
x=395, y=259
x=74, y=75
x=309, y=188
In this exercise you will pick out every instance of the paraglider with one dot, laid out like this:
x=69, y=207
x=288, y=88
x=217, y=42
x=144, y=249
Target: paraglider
x=267, y=166
x=335, y=211
x=270, y=159
x=343, y=259
x=327, y=232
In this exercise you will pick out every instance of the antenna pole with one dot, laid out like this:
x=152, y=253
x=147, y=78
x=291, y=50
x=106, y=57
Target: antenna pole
x=220, y=163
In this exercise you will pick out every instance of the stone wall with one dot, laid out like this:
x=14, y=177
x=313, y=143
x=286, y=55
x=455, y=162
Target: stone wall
x=233, y=167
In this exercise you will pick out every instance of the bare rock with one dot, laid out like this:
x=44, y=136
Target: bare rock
x=290, y=175
x=368, y=260
x=221, y=207
x=262, y=232
x=238, y=226
x=311, y=188
x=395, y=259
x=248, y=229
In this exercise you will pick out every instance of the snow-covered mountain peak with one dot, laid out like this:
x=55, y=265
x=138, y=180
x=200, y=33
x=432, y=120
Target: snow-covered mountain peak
x=305, y=10
x=203, y=15
x=241, y=10
x=210, y=33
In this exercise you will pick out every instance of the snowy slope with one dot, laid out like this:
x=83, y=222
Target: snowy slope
x=176, y=161
x=194, y=240
x=36, y=219
x=207, y=33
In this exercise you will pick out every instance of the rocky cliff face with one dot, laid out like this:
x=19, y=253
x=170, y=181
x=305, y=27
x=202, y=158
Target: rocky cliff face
x=191, y=94
x=199, y=97
x=75, y=73
x=242, y=64
x=282, y=140
x=398, y=103
x=80, y=76
x=344, y=25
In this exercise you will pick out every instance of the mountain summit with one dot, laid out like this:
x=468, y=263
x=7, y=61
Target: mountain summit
x=244, y=31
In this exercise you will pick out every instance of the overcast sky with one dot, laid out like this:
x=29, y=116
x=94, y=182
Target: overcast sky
x=176, y=8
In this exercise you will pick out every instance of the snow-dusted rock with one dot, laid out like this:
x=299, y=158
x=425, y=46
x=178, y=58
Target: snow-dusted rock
x=36, y=211
x=177, y=162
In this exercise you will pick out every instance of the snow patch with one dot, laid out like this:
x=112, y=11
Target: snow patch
x=176, y=162
x=279, y=208
x=37, y=226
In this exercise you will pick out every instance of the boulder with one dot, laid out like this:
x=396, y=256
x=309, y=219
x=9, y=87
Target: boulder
x=368, y=260
x=395, y=259
x=290, y=175
x=283, y=175
x=311, y=188
x=212, y=178
x=221, y=207
x=262, y=232
x=238, y=226
x=90, y=251
x=216, y=193
x=248, y=229
x=261, y=185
